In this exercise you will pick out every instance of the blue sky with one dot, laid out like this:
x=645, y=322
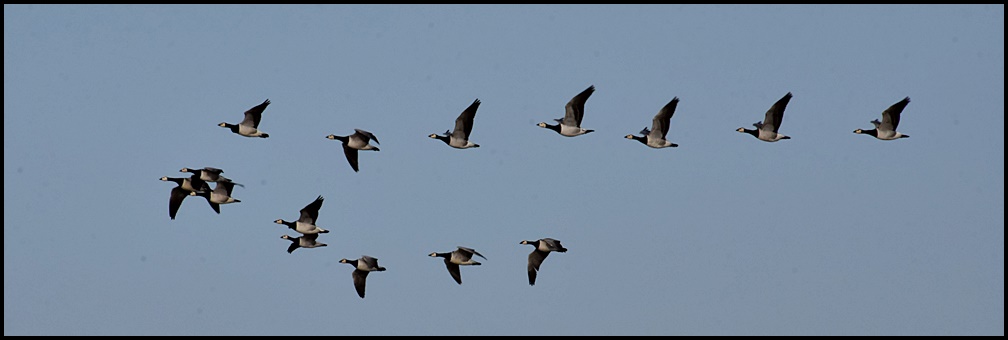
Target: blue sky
x=828, y=233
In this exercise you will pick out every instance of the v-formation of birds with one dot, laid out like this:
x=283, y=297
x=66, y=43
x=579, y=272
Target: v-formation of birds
x=569, y=126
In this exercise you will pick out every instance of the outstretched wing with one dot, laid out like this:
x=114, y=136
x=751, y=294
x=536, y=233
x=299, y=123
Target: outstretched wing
x=365, y=135
x=891, y=116
x=351, y=157
x=775, y=115
x=254, y=115
x=535, y=259
x=295, y=244
x=175, y=201
x=469, y=252
x=224, y=187
x=575, y=107
x=359, y=281
x=310, y=212
x=554, y=245
x=453, y=269
x=464, y=122
x=660, y=123
x=371, y=262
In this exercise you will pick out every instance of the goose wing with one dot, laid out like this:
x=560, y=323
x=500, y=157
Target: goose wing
x=351, y=157
x=453, y=269
x=660, y=123
x=468, y=252
x=175, y=200
x=575, y=107
x=775, y=115
x=464, y=122
x=359, y=281
x=891, y=116
x=310, y=212
x=535, y=259
x=365, y=136
x=254, y=115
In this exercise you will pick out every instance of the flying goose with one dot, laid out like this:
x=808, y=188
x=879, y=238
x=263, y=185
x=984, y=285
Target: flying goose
x=542, y=249
x=181, y=190
x=306, y=223
x=570, y=124
x=305, y=241
x=362, y=267
x=767, y=129
x=655, y=137
x=209, y=174
x=357, y=141
x=221, y=194
x=460, y=257
x=249, y=127
x=459, y=138
x=886, y=129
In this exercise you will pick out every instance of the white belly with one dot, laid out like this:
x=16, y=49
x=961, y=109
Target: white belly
x=658, y=143
x=571, y=131
x=887, y=135
x=248, y=131
x=459, y=143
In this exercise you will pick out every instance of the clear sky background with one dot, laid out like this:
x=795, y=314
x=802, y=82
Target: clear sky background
x=829, y=233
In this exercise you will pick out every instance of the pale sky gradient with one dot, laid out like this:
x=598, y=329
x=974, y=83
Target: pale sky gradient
x=828, y=233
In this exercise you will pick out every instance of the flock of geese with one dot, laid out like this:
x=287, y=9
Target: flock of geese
x=197, y=184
